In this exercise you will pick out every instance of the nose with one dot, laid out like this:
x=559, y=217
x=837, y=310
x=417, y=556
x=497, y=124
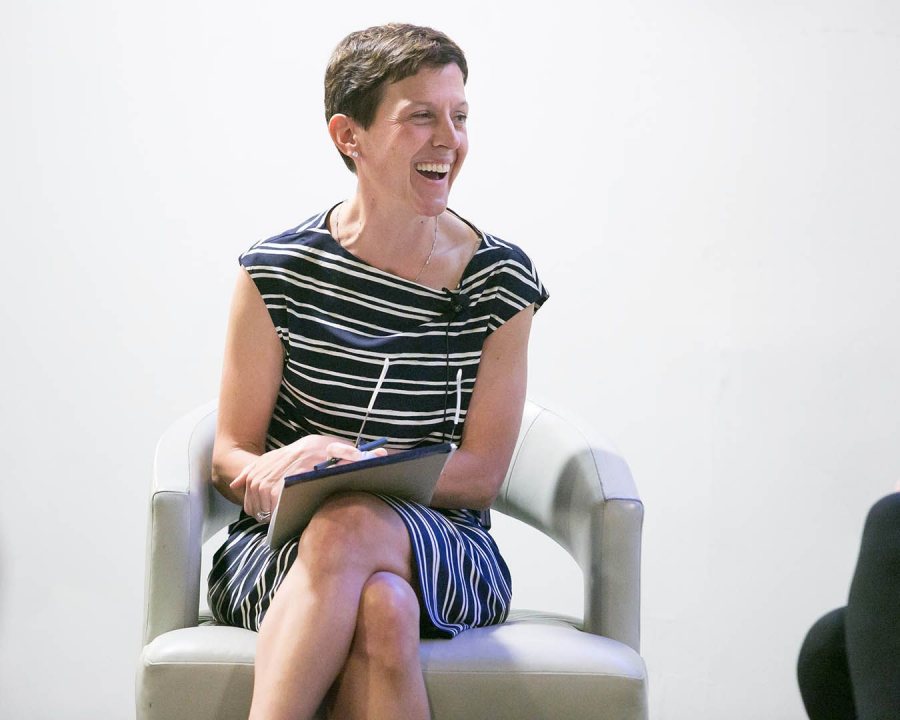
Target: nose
x=447, y=134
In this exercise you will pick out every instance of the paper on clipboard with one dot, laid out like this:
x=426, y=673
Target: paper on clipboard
x=411, y=475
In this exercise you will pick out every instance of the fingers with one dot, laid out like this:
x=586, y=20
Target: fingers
x=253, y=506
x=378, y=452
x=342, y=451
x=261, y=491
x=239, y=482
x=262, y=480
x=347, y=452
x=261, y=503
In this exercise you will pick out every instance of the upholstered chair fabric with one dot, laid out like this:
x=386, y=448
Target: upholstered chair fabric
x=536, y=665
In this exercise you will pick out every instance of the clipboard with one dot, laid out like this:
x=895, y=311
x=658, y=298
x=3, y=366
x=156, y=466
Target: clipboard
x=411, y=474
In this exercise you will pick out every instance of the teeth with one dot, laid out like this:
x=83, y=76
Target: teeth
x=434, y=167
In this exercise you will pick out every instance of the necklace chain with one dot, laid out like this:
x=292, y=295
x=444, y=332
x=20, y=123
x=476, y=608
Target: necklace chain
x=337, y=236
x=430, y=252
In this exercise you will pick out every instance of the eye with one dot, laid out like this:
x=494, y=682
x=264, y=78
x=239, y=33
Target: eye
x=460, y=118
x=421, y=116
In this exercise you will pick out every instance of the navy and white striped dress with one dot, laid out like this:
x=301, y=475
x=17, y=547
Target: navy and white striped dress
x=338, y=319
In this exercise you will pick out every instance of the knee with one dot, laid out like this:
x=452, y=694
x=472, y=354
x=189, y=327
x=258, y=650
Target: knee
x=822, y=671
x=824, y=643
x=387, y=629
x=338, y=532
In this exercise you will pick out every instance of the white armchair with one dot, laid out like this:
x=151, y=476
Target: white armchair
x=535, y=665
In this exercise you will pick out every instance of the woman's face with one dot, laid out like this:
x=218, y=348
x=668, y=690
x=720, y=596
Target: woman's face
x=415, y=146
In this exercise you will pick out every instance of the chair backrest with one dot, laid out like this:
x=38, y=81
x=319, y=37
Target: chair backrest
x=578, y=493
x=550, y=469
x=583, y=496
x=217, y=510
x=534, y=490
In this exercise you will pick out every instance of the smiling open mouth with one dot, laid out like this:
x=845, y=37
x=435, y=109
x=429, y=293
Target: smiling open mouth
x=433, y=171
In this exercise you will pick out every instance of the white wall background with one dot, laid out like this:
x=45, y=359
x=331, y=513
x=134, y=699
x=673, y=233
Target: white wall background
x=709, y=189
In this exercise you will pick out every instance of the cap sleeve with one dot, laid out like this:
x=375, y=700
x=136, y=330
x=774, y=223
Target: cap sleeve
x=511, y=286
x=269, y=273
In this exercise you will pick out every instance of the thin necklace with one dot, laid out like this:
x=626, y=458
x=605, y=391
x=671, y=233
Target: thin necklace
x=337, y=236
x=430, y=252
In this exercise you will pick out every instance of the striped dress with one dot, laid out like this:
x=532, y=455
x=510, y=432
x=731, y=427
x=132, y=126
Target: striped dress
x=338, y=318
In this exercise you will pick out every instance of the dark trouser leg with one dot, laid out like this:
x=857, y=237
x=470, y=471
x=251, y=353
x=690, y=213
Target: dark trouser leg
x=822, y=670
x=873, y=615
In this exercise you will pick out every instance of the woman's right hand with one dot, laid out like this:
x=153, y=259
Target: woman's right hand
x=261, y=481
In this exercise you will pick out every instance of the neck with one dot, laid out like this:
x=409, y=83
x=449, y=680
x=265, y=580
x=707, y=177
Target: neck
x=401, y=245
x=393, y=230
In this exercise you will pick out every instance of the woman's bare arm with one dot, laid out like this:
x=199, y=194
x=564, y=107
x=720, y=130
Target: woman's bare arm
x=251, y=376
x=475, y=473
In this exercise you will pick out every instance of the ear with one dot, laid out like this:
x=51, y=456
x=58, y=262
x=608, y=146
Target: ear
x=343, y=133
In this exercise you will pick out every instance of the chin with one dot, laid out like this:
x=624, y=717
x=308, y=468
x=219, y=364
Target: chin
x=432, y=207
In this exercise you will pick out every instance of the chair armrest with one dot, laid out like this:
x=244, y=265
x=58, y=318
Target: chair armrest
x=583, y=496
x=178, y=499
x=612, y=605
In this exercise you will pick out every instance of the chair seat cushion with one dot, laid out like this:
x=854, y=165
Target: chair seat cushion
x=532, y=666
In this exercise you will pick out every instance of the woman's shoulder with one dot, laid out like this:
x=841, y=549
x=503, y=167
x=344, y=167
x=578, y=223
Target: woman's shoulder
x=498, y=249
x=493, y=248
x=310, y=236
x=501, y=270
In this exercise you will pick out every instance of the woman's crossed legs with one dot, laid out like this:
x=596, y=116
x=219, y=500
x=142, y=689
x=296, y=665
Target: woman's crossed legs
x=345, y=618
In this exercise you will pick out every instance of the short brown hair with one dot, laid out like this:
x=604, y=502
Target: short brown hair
x=367, y=60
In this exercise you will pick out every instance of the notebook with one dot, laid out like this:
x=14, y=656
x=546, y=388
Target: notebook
x=411, y=474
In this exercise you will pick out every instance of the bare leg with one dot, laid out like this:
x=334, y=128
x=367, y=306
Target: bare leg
x=382, y=678
x=306, y=635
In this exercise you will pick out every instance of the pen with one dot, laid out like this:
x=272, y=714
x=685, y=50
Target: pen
x=374, y=443
x=365, y=447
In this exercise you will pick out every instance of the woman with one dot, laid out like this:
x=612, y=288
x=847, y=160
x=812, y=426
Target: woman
x=316, y=312
x=849, y=664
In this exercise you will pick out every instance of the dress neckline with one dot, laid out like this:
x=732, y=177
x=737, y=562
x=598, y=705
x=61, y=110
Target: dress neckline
x=438, y=291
